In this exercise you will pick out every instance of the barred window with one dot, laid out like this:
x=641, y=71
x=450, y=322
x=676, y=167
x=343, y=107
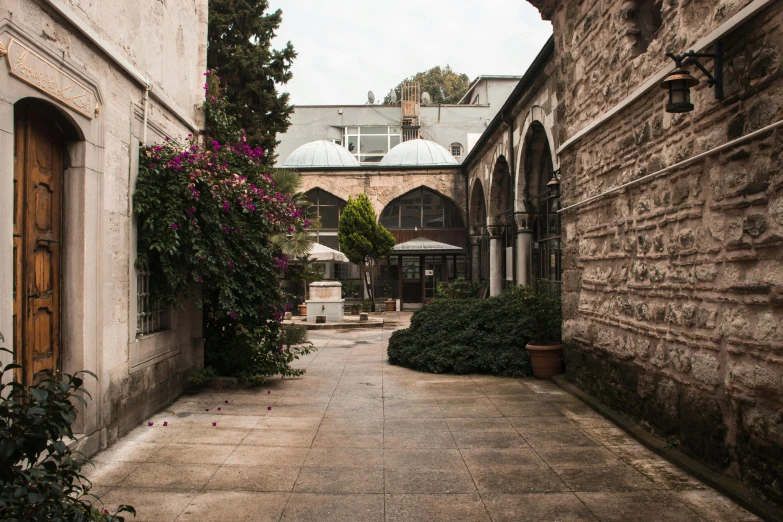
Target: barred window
x=150, y=315
x=456, y=149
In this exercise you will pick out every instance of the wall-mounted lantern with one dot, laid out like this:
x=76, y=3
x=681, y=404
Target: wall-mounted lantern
x=679, y=81
x=554, y=185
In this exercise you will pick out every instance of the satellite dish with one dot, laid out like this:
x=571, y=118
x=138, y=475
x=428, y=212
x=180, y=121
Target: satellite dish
x=392, y=96
x=425, y=98
x=370, y=97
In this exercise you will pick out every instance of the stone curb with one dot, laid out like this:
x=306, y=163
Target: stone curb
x=728, y=486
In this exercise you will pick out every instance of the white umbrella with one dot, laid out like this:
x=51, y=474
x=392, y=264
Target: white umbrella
x=320, y=252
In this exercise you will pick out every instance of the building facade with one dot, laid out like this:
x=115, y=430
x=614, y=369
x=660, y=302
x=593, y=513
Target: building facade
x=664, y=229
x=79, y=93
x=370, y=131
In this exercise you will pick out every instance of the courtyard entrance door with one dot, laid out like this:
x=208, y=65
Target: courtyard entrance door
x=38, y=180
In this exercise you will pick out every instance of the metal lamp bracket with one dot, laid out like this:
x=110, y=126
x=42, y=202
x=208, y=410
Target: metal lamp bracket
x=715, y=79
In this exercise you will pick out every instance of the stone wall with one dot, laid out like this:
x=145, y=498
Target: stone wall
x=382, y=185
x=166, y=42
x=673, y=288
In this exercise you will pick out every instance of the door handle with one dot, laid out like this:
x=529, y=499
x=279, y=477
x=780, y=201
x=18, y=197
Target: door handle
x=45, y=240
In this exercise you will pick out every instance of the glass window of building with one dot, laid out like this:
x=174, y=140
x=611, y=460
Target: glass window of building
x=327, y=208
x=422, y=209
x=370, y=144
x=456, y=149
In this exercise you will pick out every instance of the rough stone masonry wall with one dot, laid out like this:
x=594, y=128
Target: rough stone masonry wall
x=673, y=289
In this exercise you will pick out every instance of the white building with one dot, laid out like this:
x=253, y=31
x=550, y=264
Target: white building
x=78, y=82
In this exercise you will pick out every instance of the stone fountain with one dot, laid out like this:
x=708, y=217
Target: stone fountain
x=326, y=299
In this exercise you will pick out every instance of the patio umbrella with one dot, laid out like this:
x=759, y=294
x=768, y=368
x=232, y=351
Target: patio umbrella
x=320, y=252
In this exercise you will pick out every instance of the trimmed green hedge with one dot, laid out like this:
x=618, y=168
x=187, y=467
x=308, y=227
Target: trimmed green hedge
x=467, y=336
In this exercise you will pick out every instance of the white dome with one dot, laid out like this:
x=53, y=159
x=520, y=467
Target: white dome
x=321, y=154
x=418, y=153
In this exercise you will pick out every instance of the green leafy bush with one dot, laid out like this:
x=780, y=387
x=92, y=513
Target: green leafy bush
x=40, y=477
x=367, y=305
x=468, y=336
x=460, y=288
x=201, y=377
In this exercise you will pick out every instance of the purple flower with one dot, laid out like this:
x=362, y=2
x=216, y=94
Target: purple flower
x=174, y=226
x=191, y=211
x=225, y=206
x=231, y=266
x=233, y=315
x=268, y=408
x=218, y=409
x=165, y=423
x=226, y=402
x=269, y=391
x=207, y=409
x=149, y=424
x=214, y=423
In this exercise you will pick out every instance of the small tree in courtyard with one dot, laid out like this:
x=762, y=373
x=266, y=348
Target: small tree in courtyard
x=363, y=240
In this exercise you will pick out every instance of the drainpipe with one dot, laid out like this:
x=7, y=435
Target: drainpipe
x=146, y=104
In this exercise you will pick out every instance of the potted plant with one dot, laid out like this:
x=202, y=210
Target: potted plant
x=355, y=309
x=544, y=320
x=389, y=291
x=301, y=305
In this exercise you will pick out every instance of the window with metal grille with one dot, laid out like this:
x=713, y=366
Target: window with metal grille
x=151, y=315
x=456, y=150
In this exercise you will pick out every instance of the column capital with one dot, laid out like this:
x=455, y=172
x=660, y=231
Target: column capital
x=524, y=221
x=495, y=231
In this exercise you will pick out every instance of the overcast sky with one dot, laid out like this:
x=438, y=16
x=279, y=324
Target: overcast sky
x=349, y=47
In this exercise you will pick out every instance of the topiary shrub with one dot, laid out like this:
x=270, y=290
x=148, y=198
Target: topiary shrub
x=467, y=336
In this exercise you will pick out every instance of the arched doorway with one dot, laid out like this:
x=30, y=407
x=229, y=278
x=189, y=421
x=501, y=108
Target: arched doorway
x=542, y=202
x=39, y=166
x=421, y=220
x=501, y=230
x=479, y=242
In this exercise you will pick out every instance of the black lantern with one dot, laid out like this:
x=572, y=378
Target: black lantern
x=554, y=186
x=679, y=83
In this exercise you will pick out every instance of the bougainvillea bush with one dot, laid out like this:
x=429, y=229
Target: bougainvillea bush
x=207, y=208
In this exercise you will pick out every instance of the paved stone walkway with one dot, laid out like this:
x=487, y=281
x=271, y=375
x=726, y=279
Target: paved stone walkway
x=357, y=439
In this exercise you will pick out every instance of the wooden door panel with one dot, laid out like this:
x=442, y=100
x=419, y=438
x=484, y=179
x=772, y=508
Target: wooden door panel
x=20, y=122
x=40, y=216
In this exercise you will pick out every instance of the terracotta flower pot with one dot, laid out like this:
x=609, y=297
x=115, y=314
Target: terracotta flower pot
x=302, y=309
x=390, y=305
x=546, y=360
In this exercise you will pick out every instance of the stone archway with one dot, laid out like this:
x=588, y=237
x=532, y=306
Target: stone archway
x=499, y=223
x=479, y=253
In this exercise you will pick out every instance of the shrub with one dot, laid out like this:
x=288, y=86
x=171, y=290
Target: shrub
x=460, y=288
x=201, y=377
x=467, y=336
x=40, y=477
x=367, y=305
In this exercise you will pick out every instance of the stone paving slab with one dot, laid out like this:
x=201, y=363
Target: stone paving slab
x=357, y=439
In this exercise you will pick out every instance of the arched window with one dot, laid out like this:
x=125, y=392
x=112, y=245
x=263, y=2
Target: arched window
x=327, y=208
x=543, y=202
x=456, y=149
x=421, y=209
x=646, y=20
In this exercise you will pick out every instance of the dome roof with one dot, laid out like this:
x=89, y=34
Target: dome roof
x=418, y=153
x=321, y=154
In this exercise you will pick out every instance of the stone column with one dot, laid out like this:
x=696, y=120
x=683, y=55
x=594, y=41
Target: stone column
x=475, y=261
x=496, y=274
x=524, y=261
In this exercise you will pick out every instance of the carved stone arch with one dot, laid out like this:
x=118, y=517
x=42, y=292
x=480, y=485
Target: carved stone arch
x=500, y=192
x=478, y=204
x=536, y=116
x=400, y=192
x=329, y=184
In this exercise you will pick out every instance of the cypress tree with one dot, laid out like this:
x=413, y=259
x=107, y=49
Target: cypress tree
x=240, y=52
x=363, y=240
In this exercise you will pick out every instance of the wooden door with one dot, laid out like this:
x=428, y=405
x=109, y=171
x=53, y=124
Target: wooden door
x=38, y=177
